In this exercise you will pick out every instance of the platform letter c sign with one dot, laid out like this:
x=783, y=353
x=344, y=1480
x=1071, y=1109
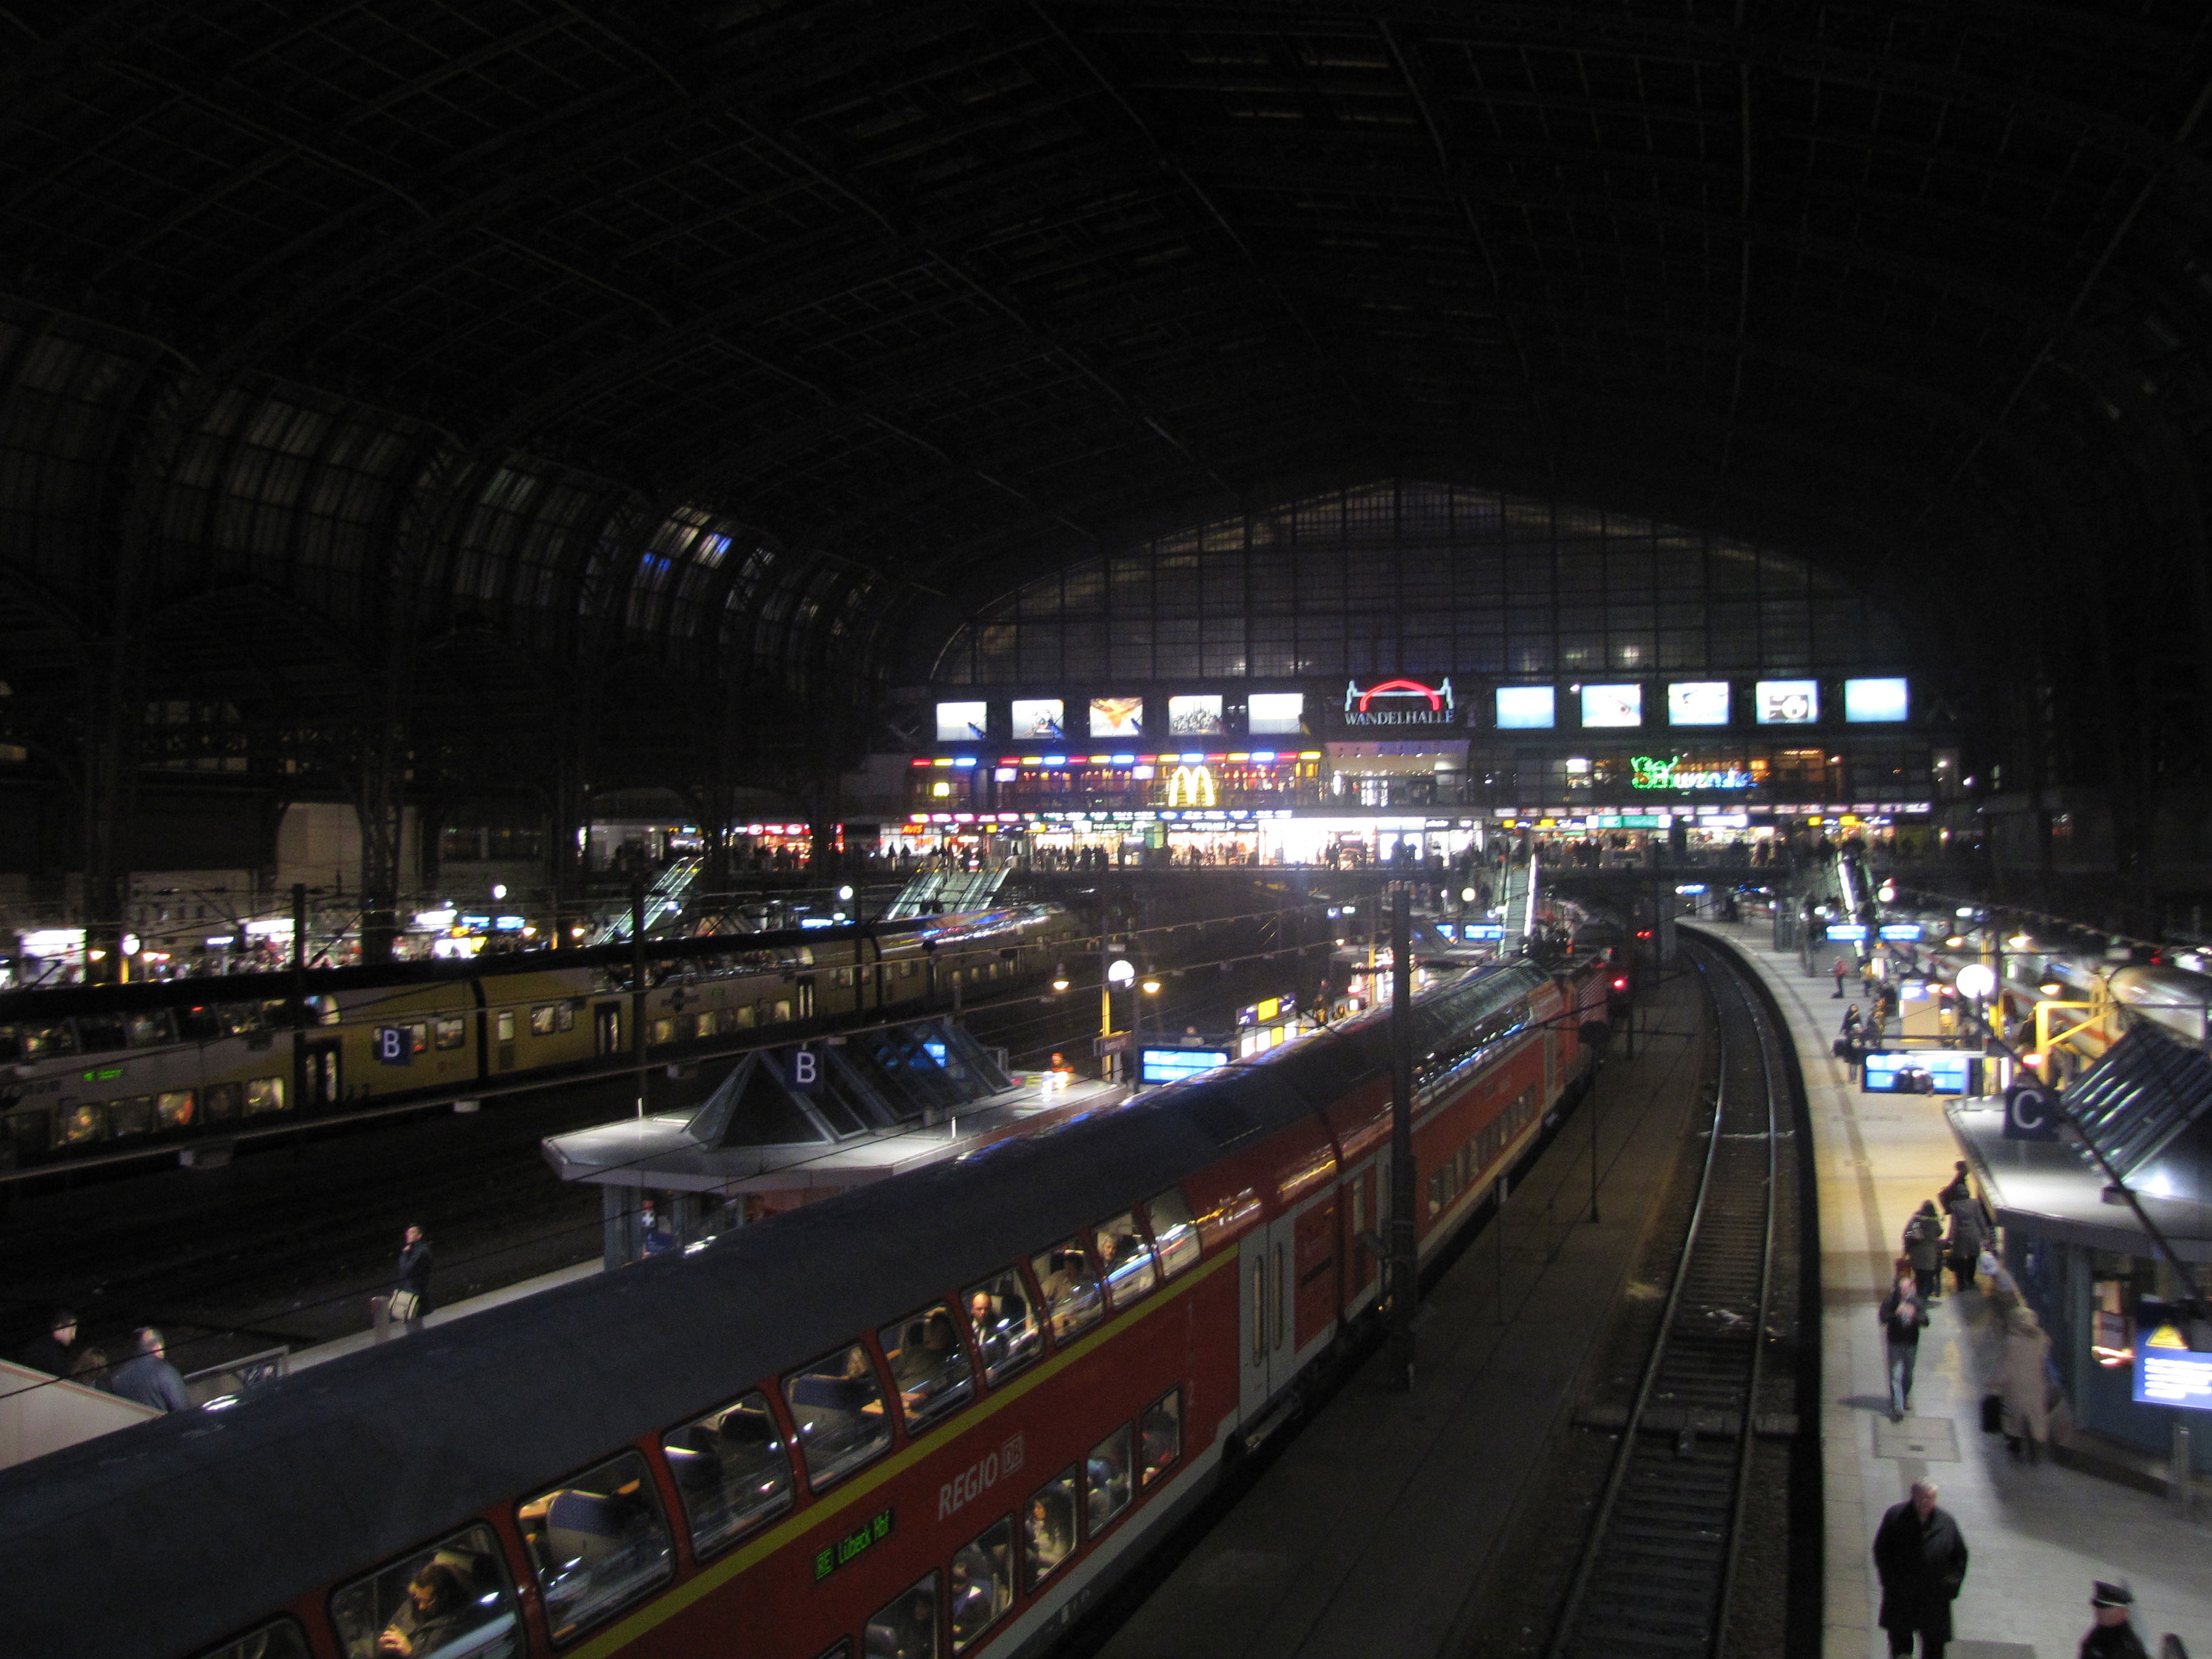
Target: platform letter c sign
x=2028, y=1115
x=392, y=1048
x=805, y=1068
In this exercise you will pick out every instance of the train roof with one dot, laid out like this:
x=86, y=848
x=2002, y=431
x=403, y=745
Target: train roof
x=221, y=1517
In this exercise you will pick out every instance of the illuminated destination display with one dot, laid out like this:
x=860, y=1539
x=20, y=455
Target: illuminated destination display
x=1949, y=1071
x=1786, y=702
x=1526, y=708
x=961, y=722
x=1275, y=714
x=1613, y=705
x=2168, y=1374
x=1876, y=701
x=1697, y=703
x=1173, y=1065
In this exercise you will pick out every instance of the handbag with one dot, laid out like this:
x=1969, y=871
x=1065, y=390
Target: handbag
x=1992, y=1413
x=404, y=1305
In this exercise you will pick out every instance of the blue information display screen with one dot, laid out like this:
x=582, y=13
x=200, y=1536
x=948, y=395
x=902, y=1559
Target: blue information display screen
x=1849, y=932
x=1479, y=930
x=2173, y=1377
x=1171, y=1065
x=1905, y=931
x=1948, y=1072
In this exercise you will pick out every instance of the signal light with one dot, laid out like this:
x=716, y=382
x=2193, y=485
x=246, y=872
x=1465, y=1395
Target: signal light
x=1621, y=985
x=1644, y=933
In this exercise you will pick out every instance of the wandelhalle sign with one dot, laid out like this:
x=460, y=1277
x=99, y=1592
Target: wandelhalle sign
x=1400, y=702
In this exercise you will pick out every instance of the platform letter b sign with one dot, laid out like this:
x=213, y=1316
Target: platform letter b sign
x=392, y=1048
x=805, y=1068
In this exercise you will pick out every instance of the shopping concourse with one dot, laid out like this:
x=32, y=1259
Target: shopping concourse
x=865, y=830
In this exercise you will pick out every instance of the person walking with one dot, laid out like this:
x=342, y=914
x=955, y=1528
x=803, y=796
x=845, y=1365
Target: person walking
x=1922, y=1560
x=2024, y=1384
x=1963, y=1249
x=50, y=1352
x=1903, y=1317
x=410, y=1292
x=1923, y=1248
x=2113, y=1634
x=149, y=1378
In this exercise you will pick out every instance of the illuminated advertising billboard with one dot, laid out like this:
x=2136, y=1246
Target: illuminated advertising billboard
x=1697, y=703
x=1786, y=702
x=1117, y=717
x=1613, y=705
x=1398, y=702
x=1276, y=714
x=1039, y=717
x=1874, y=701
x=1525, y=707
x=1929, y=1072
x=1194, y=717
x=961, y=722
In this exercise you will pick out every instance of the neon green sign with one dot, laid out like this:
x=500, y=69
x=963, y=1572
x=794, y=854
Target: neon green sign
x=1647, y=772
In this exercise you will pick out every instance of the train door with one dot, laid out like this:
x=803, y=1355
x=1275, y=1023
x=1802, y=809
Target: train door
x=607, y=1028
x=805, y=996
x=1268, y=1303
x=1363, y=1273
x=323, y=1083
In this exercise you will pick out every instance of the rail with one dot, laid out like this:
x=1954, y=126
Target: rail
x=1658, y=1566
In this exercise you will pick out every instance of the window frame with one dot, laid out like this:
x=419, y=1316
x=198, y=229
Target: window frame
x=793, y=1468
x=1128, y=1431
x=1102, y=1310
x=876, y=1374
x=1147, y=1480
x=647, y=1485
x=934, y=1580
x=1153, y=1278
x=1009, y=1581
x=516, y=1608
x=1039, y=1326
x=917, y=1425
x=1073, y=1476
x=1196, y=1254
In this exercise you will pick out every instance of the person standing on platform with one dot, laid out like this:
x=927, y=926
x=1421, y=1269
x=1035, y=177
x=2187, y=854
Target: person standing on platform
x=1924, y=1245
x=1960, y=1188
x=150, y=1379
x=410, y=1294
x=1921, y=1561
x=2022, y=1381
x=2113, y=1636
x=1903, y=1318
x=1838, y=971
x=50, y=1352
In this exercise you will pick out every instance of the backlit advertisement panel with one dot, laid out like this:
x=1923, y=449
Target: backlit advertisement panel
x=1117, y=717
x=1195, y=716
x=1697, y=703
x=1525, y=707
x=1613, y=705
x=1869, y=702
x=1276, y=714
x=1786, y=702
x=961, y=722
x=1039, y=717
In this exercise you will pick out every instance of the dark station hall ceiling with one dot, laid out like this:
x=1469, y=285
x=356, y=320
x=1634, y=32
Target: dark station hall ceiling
x=934, y=295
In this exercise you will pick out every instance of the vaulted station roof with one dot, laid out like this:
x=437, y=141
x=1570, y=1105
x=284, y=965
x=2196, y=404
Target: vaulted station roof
x=762, y=333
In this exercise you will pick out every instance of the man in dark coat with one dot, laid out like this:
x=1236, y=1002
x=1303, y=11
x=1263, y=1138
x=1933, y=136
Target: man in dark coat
x=51, y=1354
x=149, y=1378
x=413, y=1281
x=2113, y=1636
x=1923, y=1561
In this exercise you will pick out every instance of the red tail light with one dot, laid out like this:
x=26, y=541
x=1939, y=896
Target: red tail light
x=1621, y=985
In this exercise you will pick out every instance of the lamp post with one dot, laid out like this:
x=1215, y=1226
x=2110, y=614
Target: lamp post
x=1119, y=971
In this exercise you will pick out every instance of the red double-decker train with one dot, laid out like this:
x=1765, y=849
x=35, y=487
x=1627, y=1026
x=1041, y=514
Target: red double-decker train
x=934, y=1417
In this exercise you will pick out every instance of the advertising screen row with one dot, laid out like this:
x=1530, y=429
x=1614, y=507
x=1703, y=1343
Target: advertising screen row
x=1267, y=713
x=1701, y=702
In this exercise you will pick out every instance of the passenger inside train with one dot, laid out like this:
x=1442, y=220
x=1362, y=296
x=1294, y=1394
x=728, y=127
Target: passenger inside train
x=982, y=1586
x=1048, y=1530
x=1007, y=1334
x=1128, y=1257
x=1106, y=1479
x=1159, y=1436
x=932, y=1370
x=1072, y=1297
x=438, y=1603
x=837, y=1408
x=907, y=1627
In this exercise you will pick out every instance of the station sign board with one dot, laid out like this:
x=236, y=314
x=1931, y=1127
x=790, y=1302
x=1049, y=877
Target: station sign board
x=1847, y=933
x=1173, y=1065
x=1902, y=932
x=1400, y=702
x=2168, y=1374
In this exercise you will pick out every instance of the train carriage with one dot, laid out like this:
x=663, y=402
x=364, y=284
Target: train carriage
x=934, y=1416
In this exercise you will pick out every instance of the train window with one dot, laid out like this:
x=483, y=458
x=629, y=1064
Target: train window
x=97, y=1033
x=541, y=1019
x=83, y=1122
x=905, y=1627
x=1008, y=1333
x=1106, y=1481
x=596, y=1543
x=782, y=1008
x=564, y=1017
x=664, y=1030
x=452, y=1033
x=280, y=1638
x=43, y=1041
x=419, y=1037
x=1159, y=1436
x=843, y=976
x=929, y=1365
x=1049, y=1527
x=1169, y=1217
x=1072, y=1297
x=145, y=1030
x=507, y=1025
x=133, y=1116
x=909, y=970
x=1128, y=1259
x=25, y=1132
x=451, y=1600
x=744, y=1017
x=730, y=1470
x=221, y=1101
x=263, y=1094
x=981, y=1587
x=175, y=1109
x=838, y=1411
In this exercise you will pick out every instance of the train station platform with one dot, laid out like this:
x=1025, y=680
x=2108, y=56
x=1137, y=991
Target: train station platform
x=1370, y=1531
x=2038, y=1535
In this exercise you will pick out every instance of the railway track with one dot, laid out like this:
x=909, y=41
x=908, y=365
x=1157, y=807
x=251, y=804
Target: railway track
x=1659, y=1562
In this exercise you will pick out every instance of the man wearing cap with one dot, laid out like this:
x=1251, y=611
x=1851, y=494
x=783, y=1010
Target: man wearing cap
x=1922, y=1559
x=2113, y=1636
